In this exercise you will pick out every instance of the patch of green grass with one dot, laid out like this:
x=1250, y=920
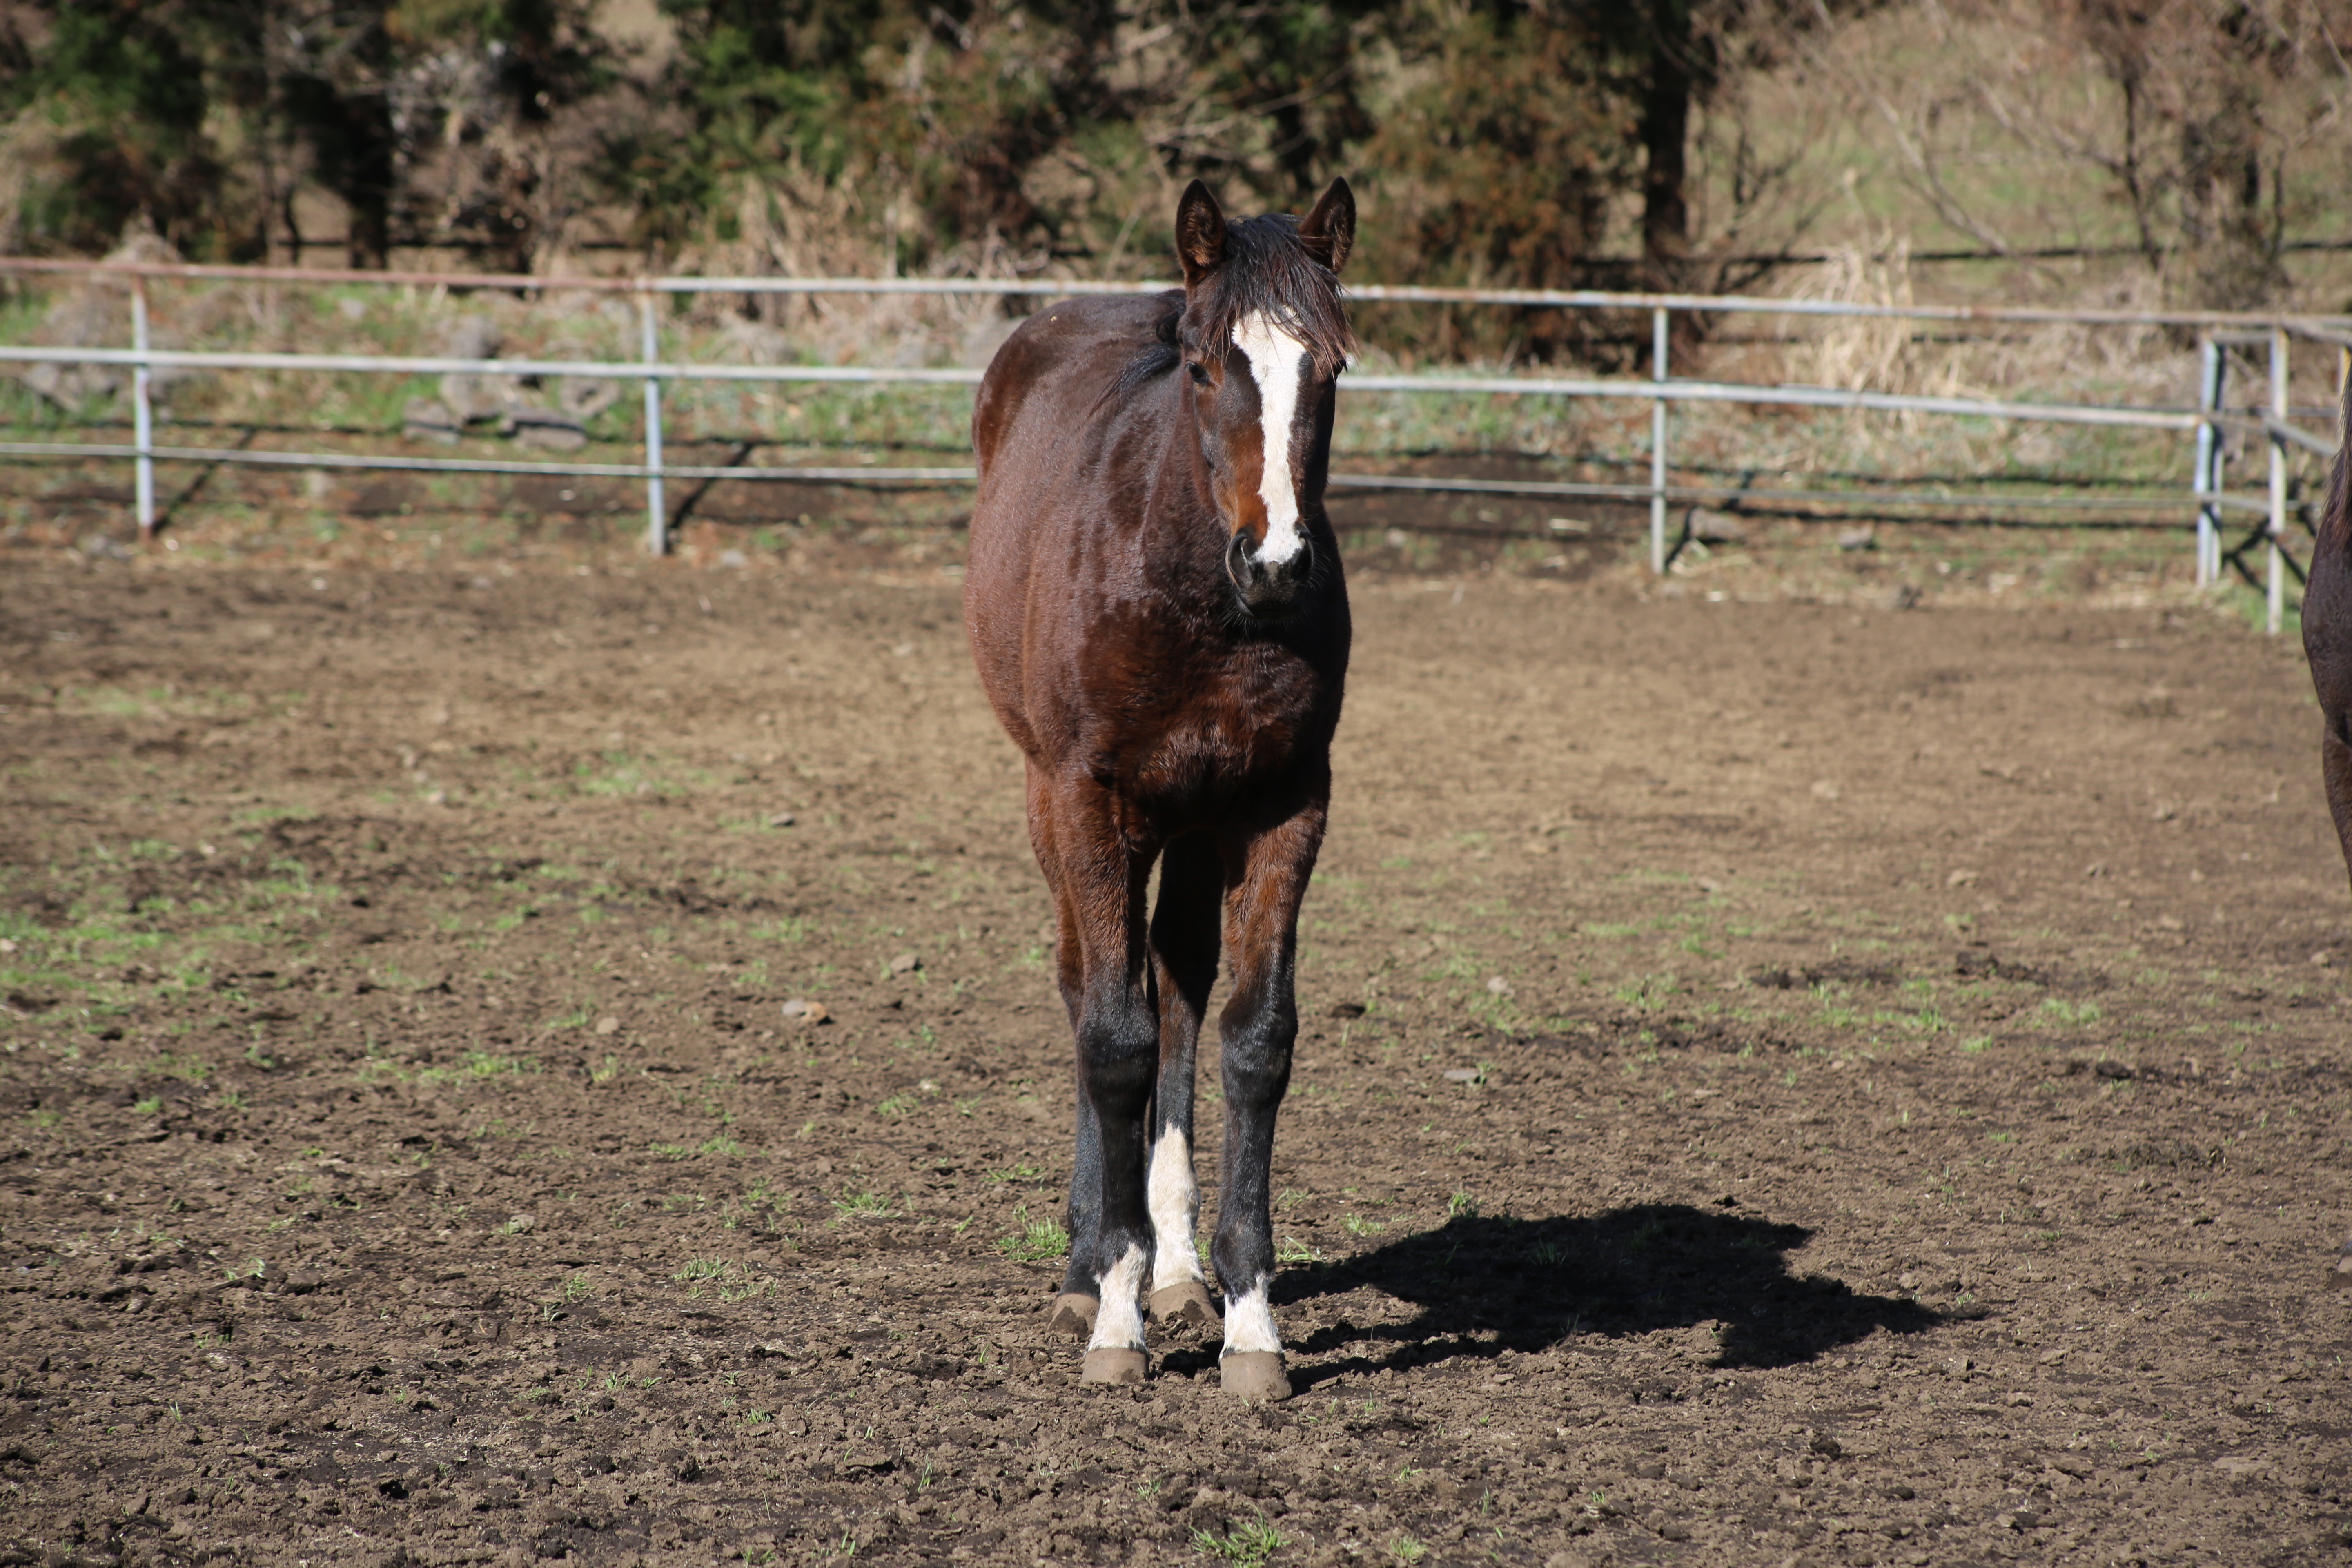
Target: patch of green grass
x=854, y=1204
x=724, y=1145
x=729, y=1279
x=1648, y=992
x=620, y=773
x=1034, y=1240
x=1246, y=1542
x=479, y=1066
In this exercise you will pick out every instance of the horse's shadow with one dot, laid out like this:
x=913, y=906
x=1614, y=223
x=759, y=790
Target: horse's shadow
x=1485, y=1285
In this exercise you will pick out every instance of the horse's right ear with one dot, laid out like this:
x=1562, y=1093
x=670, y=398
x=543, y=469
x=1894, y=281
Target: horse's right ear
x=1328, y=232
x=1199, y=234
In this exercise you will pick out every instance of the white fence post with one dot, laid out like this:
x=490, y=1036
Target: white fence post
x=1658, y=446
x=2277, y=616
x=142, y=410
x=657, y=511
x=2205, y=473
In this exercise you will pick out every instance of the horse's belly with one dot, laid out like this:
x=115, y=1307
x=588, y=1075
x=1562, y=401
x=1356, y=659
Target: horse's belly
x=1191, y=776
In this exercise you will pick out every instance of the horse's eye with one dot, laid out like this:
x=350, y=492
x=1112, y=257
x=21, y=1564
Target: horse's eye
x=1200, y=373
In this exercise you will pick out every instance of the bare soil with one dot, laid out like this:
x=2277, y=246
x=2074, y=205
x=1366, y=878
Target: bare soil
x=1783, y=1083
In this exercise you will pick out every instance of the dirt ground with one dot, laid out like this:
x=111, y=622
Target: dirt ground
x=1783, y=1083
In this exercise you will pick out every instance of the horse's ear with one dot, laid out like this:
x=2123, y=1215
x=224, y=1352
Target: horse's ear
x=1199, y=234
x=1328, y=232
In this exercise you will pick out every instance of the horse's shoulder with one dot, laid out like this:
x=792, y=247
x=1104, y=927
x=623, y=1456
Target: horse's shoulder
x=1061, y=363
x=1092, y=322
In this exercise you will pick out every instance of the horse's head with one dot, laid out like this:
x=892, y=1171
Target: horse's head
x=1264, y=339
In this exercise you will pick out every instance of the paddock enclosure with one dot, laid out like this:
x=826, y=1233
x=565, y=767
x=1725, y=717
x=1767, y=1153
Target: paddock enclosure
x=503, y=1066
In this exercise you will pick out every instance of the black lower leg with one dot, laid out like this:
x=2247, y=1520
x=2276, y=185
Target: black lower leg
x=1257, y=1074
x=1084, y=1220
x=1117, y=1055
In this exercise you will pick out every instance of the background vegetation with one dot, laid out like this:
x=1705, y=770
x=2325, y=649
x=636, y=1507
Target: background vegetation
x=2200, y=144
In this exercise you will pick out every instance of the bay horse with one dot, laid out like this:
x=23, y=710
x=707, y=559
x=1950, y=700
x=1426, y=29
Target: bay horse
x=1156, y=607
x=2327, y=636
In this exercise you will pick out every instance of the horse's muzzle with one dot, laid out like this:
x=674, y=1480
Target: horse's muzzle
x=1270, y=591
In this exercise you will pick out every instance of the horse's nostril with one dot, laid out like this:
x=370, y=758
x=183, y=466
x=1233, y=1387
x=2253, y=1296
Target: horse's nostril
x=1238, y=564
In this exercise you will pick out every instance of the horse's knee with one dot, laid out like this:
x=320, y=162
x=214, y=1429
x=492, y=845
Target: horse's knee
x=1118, y=1054
x=1256, y=1054
x=1256, y=1079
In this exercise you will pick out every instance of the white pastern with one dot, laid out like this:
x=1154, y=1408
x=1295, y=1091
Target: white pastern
x=1118, y=1321
x=1249, y=1322
x=1175, y=1201
x=1276, y=360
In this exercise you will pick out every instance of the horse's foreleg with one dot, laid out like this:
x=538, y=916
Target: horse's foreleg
x=1117, y=1031
x=1268, y=871
x=1185, y=966
x=2336, y=770
x=1074, y=1308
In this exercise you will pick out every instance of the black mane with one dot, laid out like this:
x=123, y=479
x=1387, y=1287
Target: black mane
x=1268, y=268
x=1265, y=268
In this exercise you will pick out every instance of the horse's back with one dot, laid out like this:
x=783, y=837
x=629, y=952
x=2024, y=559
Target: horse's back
x=1051, y=377
x=1044, y=431
x=2327, y=594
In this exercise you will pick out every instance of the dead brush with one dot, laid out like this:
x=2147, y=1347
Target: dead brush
x=1862, y=353
x=803, y=230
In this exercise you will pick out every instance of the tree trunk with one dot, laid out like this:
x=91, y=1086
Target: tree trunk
x=1664, y=129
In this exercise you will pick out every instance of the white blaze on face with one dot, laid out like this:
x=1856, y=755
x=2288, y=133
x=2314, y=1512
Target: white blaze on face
x=1276, y=360
x=1118, y=1320
x=1249, y=1322
x=1175, y=1201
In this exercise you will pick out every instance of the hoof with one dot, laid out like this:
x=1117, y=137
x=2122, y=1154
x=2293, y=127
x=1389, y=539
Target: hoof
x=1112, y=1367
x=1187, y=1304
x=1254, y=1374
x=1071, y=1314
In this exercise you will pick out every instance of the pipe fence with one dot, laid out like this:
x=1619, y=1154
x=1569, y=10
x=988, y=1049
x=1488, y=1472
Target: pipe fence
x=2207, y=500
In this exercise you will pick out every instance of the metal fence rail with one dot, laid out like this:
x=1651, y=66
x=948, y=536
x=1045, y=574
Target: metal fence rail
x=2207, y=496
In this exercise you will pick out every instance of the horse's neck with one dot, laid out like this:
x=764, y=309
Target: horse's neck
x=1179, y=514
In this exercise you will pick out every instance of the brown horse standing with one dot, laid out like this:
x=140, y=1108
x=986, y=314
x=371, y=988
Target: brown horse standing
x=2327, y=638
x=1155, y=603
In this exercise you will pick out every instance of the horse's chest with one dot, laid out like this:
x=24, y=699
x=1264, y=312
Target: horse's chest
x=1224, y=737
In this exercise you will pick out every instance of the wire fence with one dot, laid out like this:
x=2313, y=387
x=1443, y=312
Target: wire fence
x=2202, y=508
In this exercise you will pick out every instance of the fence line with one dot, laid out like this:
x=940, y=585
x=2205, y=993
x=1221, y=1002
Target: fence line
x=1660, y=389
x=1376, y=293
x=949, y=477
x=2207, y=495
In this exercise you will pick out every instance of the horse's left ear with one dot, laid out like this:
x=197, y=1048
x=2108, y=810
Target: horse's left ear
x=1199, y=234
x=1328, y=232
